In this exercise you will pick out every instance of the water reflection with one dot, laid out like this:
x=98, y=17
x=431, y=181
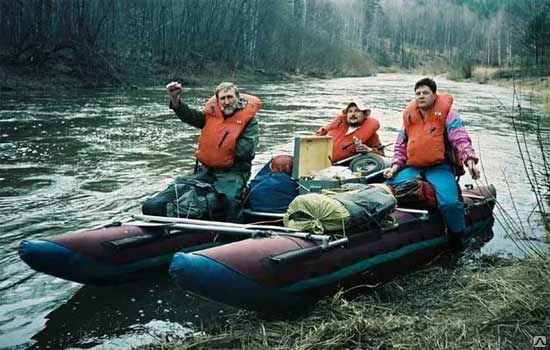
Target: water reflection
x=125, y=317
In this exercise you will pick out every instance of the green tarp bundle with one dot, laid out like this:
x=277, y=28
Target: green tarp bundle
x=358, y=209
x=315, y=212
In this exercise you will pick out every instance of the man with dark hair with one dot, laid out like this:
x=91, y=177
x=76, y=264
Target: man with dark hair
x=227, y=146
x=353, y=131
x=434, y=144
x=426, y=82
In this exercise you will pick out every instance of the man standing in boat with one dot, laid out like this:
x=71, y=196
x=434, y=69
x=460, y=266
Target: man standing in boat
x=434, y=144
x=227, y=145
x=353, y=131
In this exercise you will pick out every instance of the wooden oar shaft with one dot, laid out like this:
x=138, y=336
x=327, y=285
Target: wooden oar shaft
x=345, y=160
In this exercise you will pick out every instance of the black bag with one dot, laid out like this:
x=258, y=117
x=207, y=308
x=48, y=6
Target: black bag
x=415, y=193
x=369, y=206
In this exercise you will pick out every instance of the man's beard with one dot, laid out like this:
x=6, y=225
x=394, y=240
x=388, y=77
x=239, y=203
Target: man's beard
x=229, y=110
x=353, y=123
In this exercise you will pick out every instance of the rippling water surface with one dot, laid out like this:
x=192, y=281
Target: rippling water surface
x=70, y=161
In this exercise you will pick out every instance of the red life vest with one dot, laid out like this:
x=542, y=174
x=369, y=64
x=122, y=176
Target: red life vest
x=342, y=144
x=426, y=137
x=218, y=139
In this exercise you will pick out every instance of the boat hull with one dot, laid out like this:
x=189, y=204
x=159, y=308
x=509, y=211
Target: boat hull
x=279, y=273
x=94, y=257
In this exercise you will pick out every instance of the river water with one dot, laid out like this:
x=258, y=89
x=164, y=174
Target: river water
x=76, y=160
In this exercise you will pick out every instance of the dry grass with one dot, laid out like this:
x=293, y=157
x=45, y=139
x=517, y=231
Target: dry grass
x=525, y=85
x=483, y=74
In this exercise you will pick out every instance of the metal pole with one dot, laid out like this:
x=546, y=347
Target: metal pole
x=165, y=219
x=376, y=173
x=251, y=232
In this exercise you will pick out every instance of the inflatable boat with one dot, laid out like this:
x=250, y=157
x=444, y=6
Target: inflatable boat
x=282, y=272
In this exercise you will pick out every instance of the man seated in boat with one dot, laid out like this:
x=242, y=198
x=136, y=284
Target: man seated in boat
x=434, y=144
x=227, y=145
x=353, y=131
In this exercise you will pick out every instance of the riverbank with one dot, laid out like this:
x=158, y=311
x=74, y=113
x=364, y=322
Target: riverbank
x=25, y=78
x=134, y=74
x=524, y=84
x=475, y=303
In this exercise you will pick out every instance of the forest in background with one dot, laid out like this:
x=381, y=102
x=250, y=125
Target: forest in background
x=114, y=42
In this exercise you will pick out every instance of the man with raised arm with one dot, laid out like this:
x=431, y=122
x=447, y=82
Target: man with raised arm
x=227, y=145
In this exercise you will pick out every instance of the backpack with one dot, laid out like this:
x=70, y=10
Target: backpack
x=195, y=199
x=271, y=191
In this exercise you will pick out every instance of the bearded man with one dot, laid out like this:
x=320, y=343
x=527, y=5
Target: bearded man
x=227, y=146
x=353, y=131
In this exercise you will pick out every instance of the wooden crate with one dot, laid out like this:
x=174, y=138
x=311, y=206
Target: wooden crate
x=311, y=153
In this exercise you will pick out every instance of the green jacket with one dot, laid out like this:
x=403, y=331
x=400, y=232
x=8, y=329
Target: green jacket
x=246, y=144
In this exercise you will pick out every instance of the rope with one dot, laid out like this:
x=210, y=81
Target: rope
x=304, y=187
x=189, y=210
x=177, y=200
x=343, y=227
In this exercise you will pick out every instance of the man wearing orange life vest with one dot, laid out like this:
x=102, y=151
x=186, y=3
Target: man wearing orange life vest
x=227, y=144
x=353, y=131
x=432, y=140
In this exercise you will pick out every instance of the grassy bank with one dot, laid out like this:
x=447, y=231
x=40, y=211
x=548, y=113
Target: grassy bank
x=523, y=82
x=489, y=304
x=129, y=73
x=24, y=79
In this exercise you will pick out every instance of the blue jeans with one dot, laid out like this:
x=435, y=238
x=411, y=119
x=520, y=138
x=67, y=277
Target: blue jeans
x=442, y=178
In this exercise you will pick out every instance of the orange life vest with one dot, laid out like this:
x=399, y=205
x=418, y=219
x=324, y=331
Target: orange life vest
x=218, y=139
x=342, y=144
x=426, y=143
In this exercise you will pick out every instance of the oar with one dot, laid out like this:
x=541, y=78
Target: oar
x=183, y=228
x=165, y=219
x=473, y=196
x=240, y=231
x=134, y=241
